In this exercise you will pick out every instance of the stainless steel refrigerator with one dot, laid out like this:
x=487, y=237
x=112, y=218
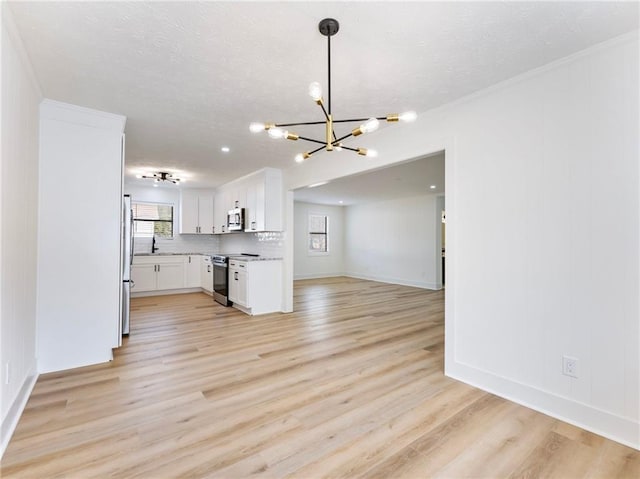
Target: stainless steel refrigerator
x=127, y=258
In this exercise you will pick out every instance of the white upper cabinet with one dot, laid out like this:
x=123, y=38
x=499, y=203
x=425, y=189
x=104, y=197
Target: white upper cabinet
x=259, y=193
x=264, y=201
x=196, y=212
x=220, y=209
x=229, y=196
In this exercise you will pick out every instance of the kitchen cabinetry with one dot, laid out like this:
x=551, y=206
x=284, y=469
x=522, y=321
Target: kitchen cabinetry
x=264, y=201
x=238, y=283
x=255, y=287
x=153, y=273
x=192, y=266
x=206, y=274
x=228, y=197
x=220, y=209
x=196, y=212
x=260, y=193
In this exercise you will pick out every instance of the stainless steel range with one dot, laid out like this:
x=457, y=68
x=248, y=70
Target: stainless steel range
x=221, y=279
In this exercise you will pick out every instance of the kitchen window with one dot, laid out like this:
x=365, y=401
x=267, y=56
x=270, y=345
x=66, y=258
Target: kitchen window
x=151, y=219
x=318, y=234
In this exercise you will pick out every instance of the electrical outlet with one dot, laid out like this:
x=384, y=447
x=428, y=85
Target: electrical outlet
x=570, y=366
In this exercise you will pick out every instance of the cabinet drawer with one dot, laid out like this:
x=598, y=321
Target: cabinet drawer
x=169, y=259
x=238, y=265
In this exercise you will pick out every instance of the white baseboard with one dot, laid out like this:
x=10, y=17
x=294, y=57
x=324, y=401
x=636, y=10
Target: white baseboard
x=617, y=428
x=404, y=282
x=318, y=276
x=10, y=421
x=142, y=294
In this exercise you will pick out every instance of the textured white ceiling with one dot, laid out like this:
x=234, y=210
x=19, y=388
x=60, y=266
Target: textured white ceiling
x=190, y=77
x=412, y=178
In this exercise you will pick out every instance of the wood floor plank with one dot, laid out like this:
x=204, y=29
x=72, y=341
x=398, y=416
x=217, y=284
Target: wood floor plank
x=349, y=385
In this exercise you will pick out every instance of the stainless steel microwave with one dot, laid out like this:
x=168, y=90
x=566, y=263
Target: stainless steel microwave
x=235, y=219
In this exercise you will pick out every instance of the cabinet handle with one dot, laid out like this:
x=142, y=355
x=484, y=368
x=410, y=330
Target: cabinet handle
x=158, y=268
x=235, y=276
x=189, y=259
x=208, y=268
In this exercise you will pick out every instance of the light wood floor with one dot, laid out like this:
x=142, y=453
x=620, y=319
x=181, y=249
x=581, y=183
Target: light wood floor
x=351, y=385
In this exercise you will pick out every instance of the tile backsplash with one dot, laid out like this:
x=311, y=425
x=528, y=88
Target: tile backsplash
x=265, y=244
x=179, y=244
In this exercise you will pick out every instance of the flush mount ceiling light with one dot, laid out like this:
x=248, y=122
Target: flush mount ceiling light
x=161, y=176
x=329, y=27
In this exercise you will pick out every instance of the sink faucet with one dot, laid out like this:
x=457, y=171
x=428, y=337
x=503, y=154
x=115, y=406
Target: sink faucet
x=154, y=248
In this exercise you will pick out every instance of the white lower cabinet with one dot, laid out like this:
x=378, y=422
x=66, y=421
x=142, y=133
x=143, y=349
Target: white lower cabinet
x=255, y=287
x=170, y=275
x=193, y=265
x=238, y=283
x=144, y=277
x=157, y=273
x=206, y=274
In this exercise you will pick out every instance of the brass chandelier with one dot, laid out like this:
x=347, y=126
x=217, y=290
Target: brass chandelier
x=329, y=27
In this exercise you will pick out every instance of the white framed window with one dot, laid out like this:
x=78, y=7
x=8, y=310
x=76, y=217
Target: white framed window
x=318, y=234
x=151, y=219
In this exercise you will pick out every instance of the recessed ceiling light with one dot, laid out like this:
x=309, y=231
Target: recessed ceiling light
x=225, y=149
x=340, y=201
x=318, y=184
x=433, y=187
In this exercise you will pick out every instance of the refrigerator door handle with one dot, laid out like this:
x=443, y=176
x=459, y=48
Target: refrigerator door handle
x=132, y=240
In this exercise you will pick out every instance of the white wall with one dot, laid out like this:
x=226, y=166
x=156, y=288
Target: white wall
x=80, y=204
x=189, y=243
x=393, y=241
x=18, y=225
x=313, y=265
x=543, y=226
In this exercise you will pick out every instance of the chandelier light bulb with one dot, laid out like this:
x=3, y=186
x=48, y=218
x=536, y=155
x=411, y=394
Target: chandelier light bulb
x=367, y=152
x=276, y=133
x=408, y=116
x=256, y=127
x=300, y=157
x=315, y=91
x=370, y=125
